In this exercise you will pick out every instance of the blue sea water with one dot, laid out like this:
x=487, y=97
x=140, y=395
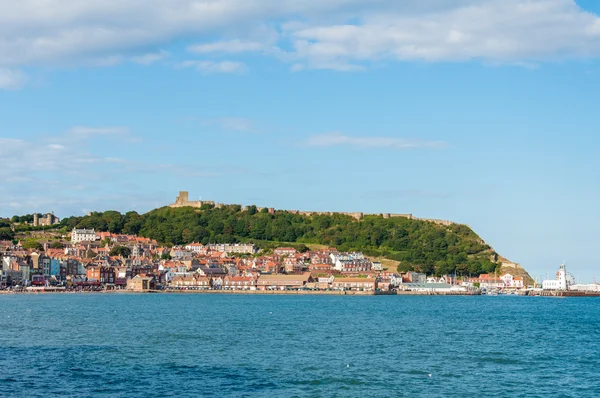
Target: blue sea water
x=296, y=346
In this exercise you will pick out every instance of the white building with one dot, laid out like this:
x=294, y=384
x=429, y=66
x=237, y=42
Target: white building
x=590, y=287
x=195, y=247
x=83, y=235
x=559, y=283
x=238, y=248
x=335, y=257
x=512, y=282
x=350, y=262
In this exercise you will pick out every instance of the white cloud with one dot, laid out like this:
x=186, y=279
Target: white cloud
x=224, y=123
x=236, y=124
x=208, y=67
x=85, y=132
x=72, y=165
x=314, y=34
x=229, y=47
x=11, y=79
x=32, y=164
x=495, y=30
x=116, y=132
x=58, y=172
x=150, y=58
x=337, y=139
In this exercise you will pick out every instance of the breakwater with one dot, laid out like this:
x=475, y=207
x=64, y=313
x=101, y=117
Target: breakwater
x=560, y=293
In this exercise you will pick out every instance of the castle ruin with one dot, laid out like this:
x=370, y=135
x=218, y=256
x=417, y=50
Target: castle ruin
x=46, y=220
x=183, y=200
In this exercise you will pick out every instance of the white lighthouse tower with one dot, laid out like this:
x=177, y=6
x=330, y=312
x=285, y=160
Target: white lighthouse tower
x=559, y=283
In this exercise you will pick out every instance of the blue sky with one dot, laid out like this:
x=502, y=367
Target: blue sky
x=479, y=111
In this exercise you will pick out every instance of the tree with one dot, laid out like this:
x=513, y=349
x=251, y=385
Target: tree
x=418, y=245
x=57, y=245
x=302, y=248
x=187, y=236
x=165, y=256
x=120, y=251
x=6, y=233
x=252, y=210
x=32, y=244
x=405, y=267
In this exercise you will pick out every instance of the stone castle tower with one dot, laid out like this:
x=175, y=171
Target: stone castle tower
x=183, y=200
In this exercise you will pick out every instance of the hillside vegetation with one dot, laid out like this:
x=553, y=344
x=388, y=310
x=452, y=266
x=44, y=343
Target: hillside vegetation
x=418, y=245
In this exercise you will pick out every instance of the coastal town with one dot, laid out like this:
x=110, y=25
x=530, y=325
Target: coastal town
x=103, y=261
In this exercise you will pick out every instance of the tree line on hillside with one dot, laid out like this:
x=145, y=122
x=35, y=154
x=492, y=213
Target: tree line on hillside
x=6, y=233
x=418, y=245
x=27, y=218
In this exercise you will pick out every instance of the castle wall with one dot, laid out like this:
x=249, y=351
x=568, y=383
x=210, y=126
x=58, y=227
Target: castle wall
x=183, y=201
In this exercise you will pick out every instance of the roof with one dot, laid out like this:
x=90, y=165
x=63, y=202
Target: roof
x=285, y=278
x=353, y=280
x=428, y=285
x=147, y=278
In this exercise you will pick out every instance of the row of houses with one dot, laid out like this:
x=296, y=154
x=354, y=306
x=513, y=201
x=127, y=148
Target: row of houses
x=305, y=280
x=198, y=266
x=488, y=281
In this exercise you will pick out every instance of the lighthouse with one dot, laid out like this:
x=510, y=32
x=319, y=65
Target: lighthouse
x=559, y=283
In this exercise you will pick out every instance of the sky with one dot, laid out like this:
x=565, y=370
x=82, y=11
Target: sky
x=483, y=112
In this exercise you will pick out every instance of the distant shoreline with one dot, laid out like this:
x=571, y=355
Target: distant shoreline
x=258, y=292
x=558, y=294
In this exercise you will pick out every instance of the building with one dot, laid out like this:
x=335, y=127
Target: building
x=100, y=274
x=237, y=248
x=239, y=283
x=283, y=282
x=414, y=277
x=141, y=283
x=45, y=220
x=512, y=282
x=488, y=281
x=83, y=235
x=354, y=283
x=191, y=281
x=590, y=287
x=434, y=287
x=211, y=271
x=351, y=262
x=195, y=247
x=561, y=281
x=183, y=200
x=285, y=251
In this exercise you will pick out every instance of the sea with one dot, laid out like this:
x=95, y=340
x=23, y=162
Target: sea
x=203, y=345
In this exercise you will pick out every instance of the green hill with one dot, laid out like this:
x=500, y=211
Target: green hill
x=418, y=245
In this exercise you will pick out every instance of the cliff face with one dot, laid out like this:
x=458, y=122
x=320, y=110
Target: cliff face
x=508, y=267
